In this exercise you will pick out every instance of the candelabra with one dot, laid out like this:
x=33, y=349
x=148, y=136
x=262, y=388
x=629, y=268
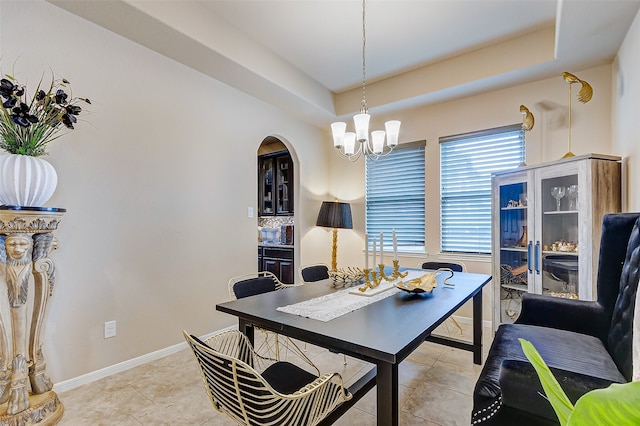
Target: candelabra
x=378, y=276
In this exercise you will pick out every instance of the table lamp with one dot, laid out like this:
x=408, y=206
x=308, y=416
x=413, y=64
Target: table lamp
x=334, y=214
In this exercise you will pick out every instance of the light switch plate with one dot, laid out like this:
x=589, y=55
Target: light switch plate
x=109, y=329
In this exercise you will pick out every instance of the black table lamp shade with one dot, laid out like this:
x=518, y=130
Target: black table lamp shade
x=334, y=214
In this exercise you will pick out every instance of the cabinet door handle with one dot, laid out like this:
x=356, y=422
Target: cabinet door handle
x=538, y=257
x=529, y=248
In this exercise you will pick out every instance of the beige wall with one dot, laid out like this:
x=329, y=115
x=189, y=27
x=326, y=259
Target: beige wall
x=626, y=118
x=156, y=180
x=547, y=99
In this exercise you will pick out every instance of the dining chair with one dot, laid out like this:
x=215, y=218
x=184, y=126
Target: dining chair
x=259, y=283
x=313, y=273
x=253, y=390
x=455, y=267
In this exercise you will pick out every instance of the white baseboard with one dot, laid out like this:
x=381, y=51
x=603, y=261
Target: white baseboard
x=135, y=362
x=125, y=365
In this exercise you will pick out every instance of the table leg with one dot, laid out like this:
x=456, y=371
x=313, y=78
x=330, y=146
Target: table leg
x=246, y=329
x=477, y=328
x=387, y=394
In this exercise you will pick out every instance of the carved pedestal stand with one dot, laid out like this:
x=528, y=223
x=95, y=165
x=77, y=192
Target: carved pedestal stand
x=27, y=276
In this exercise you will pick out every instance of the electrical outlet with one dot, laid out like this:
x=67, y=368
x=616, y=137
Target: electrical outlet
x=250, y=211
x=109, y=329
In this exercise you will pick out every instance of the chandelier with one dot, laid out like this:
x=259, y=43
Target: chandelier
x=372, y=147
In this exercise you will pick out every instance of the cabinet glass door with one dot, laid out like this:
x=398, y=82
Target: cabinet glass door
x=284, y=180
x=514, y=248
x=559, y=246
x=266, y=186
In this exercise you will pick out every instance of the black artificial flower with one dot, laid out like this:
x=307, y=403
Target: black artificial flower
x=40, y=95
x=68, y=120
x=10, y=103
x=21, y=115
x=6, y=88
x=73, y=109
x=60, y=97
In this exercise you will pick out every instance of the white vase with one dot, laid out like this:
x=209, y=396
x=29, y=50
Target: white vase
x=26, y=181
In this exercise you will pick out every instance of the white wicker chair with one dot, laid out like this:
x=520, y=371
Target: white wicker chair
x=253, y=390
x=271, y=346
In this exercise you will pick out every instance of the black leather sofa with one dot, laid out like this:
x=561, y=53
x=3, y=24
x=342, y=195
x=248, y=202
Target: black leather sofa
x=586, y=344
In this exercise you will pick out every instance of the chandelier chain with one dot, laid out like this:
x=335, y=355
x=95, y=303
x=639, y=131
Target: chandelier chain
x=364, y=63
x=373, y=147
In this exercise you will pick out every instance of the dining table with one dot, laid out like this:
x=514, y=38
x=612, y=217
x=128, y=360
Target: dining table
x=382, y=333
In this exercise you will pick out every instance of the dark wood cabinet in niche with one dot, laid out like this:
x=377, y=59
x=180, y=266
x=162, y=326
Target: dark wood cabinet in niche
x=277, y=260
x=275, y=184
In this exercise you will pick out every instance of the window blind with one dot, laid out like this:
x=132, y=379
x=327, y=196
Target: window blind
x=466, y=164
x=394, y=197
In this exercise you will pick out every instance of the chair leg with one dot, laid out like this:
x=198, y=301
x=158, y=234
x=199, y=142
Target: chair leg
x=277, y=348
x=457, y=325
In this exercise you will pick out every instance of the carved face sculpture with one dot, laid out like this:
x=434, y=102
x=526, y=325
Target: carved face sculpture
x=17, y=246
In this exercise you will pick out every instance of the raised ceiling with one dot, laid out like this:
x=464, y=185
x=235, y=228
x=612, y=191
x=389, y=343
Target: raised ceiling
x=304, y=56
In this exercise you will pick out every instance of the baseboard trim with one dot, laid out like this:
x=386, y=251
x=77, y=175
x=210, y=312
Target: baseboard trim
x=70, y=384
x=93, y=376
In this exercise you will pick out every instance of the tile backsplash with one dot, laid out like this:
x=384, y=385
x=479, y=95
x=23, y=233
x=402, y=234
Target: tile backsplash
x=274, y=221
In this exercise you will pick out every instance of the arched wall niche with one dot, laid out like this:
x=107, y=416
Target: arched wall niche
x=275, y=143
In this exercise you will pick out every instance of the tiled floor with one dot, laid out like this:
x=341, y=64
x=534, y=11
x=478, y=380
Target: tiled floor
x=436, y=385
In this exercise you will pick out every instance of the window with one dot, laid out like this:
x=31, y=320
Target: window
x=394, y=196
x=466, y=164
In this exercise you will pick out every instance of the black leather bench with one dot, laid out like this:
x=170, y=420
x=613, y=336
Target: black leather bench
x=587, y=344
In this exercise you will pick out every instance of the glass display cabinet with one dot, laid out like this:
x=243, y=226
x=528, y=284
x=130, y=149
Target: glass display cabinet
x=275, y=184
x=284, y=181
x=266, y=196
x=546, y=229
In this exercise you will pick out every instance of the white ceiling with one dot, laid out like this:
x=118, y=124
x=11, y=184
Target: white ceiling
x=305, y=56
x=324, y=38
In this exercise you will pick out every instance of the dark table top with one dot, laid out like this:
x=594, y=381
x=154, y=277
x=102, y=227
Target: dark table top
x=387, y=330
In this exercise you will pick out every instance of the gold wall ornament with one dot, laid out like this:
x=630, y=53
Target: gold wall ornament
x=527, y=118
x=584, y=95
x=527, y=124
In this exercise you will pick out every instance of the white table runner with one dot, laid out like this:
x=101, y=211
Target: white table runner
x=332, y=305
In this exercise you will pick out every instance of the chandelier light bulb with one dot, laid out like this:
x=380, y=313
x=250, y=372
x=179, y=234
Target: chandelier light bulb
x=377, y=138
x=393, y=130
x=361, y=122
x=337, y=129
x=349, y=143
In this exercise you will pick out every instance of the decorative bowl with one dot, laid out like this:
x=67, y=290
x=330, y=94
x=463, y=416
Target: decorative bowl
x=425, y=283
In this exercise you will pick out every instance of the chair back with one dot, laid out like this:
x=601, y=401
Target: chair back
x=252, y=284
x=620, y=337
x=313, y=273
x=235, y=378
x=454, y=266
x=229, y=379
